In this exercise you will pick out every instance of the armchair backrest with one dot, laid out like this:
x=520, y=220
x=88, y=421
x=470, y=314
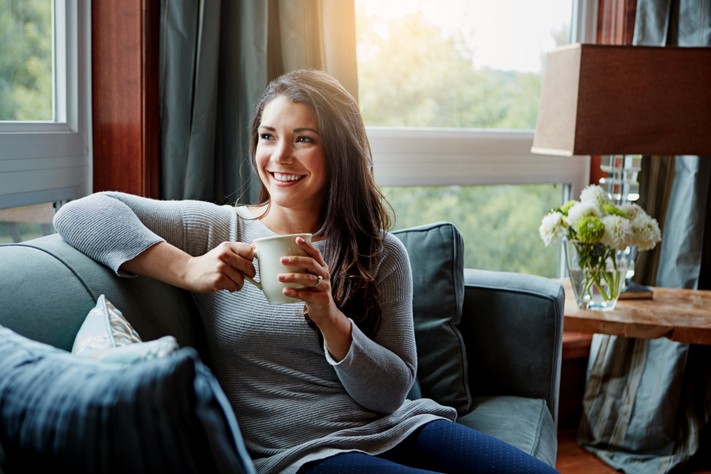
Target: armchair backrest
x=436, y=254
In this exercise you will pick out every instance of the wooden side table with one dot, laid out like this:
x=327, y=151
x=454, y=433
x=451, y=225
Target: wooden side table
x=621, y=381
x=678, y=314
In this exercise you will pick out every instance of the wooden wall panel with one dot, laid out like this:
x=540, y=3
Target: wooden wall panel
x=125, y=99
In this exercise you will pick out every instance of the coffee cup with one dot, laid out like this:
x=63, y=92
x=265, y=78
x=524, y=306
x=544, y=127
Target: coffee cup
x=268, y=253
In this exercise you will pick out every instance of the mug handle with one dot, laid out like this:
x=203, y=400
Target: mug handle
x=252, y=280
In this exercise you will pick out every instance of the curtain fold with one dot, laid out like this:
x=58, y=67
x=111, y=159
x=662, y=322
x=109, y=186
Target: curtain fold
x=216, y=57
x=321, y=35
x=647, y=403
x=188, y=80
x=656, y=179
x=683, y=235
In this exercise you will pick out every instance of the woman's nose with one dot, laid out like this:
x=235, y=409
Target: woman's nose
x=281, y=153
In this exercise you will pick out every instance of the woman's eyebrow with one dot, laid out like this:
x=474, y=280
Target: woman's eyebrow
x=296, y=130
x=306, y=129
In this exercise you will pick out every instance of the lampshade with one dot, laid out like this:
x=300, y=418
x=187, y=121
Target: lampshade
x=604, y=100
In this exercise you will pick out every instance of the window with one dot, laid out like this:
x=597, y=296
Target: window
x=26, y=63
x=18, y=224
x=449, y=92
x=45, y=119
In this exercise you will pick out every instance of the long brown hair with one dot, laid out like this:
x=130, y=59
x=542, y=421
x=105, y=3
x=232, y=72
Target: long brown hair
x=354, y=215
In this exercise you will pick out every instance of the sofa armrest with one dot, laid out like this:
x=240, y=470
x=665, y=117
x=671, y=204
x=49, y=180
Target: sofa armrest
x=512, y=325
x=47, y=288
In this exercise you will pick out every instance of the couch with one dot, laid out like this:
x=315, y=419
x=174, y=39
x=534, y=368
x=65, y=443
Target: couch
x=489, y=344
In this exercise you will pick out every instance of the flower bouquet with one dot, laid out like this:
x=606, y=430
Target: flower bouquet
x=600, y=238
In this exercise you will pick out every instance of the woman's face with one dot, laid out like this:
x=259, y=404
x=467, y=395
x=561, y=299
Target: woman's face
x=290, y=157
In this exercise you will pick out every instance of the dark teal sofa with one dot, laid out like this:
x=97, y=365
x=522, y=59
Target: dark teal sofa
x=489, y=344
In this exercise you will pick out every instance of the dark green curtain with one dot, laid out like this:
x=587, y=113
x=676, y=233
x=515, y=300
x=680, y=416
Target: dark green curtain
x=212, y=70
x=647, y=403
x=216, y=57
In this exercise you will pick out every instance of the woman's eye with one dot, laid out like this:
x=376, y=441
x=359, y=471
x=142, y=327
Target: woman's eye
x=265, y=136
x=303, y=139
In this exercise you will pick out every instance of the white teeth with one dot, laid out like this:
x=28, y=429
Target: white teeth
x=286, y=177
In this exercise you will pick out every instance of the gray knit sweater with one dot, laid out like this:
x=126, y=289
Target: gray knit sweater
x=293, y=402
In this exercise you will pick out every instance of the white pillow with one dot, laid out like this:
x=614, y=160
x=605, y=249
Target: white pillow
x=107, y=336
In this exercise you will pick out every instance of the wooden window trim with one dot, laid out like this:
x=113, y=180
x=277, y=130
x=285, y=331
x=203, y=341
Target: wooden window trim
x=125, y=96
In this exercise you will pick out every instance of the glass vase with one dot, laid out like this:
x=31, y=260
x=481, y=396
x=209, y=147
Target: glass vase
x=597, y=273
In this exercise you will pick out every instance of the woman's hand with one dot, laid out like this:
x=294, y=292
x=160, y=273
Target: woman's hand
x=222, y=268
x=333, y=324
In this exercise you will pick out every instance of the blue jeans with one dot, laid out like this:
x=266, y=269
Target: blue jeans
x=439, y=446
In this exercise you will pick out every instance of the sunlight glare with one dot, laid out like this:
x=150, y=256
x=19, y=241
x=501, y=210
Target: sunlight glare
x=502, y=34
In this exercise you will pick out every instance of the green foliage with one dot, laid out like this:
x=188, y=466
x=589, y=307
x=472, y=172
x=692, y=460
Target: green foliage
x=413, y=75
x=20, y=232
x=499, y=223
x=26, y=60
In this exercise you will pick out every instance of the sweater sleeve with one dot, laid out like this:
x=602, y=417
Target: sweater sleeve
x=378, y=373
x=113, y=227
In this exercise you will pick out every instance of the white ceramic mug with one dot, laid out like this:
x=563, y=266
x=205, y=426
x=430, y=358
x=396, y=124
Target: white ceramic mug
x=268, y=253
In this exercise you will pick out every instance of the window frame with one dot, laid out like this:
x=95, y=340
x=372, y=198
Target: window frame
x=51, y=161
x=440, y=157
x=428, y=156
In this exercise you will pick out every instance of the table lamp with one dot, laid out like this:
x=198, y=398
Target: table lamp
x=623, y=102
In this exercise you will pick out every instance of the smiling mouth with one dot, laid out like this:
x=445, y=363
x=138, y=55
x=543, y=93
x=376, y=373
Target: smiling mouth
x=286, y=178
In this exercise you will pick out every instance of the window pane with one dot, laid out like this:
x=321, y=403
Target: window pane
x=24, y=223
x=26, y=77
x=455, y=63
x=464, y=64
x=499, y=224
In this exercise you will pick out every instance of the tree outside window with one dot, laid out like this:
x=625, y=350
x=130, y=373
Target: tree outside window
x=424, y=64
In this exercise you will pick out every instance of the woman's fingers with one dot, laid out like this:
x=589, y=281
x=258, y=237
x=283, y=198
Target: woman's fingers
x=311, y=271
x=222, y=268
x=314, y=278
x=311, y=250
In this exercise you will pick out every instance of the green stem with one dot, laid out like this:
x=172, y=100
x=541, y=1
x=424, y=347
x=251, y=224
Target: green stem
x=593, y=261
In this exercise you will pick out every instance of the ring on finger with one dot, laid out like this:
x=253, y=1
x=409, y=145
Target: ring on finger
x=319, y=279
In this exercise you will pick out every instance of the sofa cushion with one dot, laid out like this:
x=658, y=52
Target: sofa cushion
x=523, y=422
x=106, y=335
x=437, y=261
x=62, y=412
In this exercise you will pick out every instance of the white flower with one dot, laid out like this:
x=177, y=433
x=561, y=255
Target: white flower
x=552, y=227
x=594, y=194
x=618, y=232
x=595, y=219
x=646, y=232
x=632, y=210
x=582, y=209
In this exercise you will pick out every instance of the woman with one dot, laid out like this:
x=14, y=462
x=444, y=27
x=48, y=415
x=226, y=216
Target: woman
x=319, y=385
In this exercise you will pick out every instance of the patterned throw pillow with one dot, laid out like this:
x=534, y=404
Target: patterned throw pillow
x=106, y=335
